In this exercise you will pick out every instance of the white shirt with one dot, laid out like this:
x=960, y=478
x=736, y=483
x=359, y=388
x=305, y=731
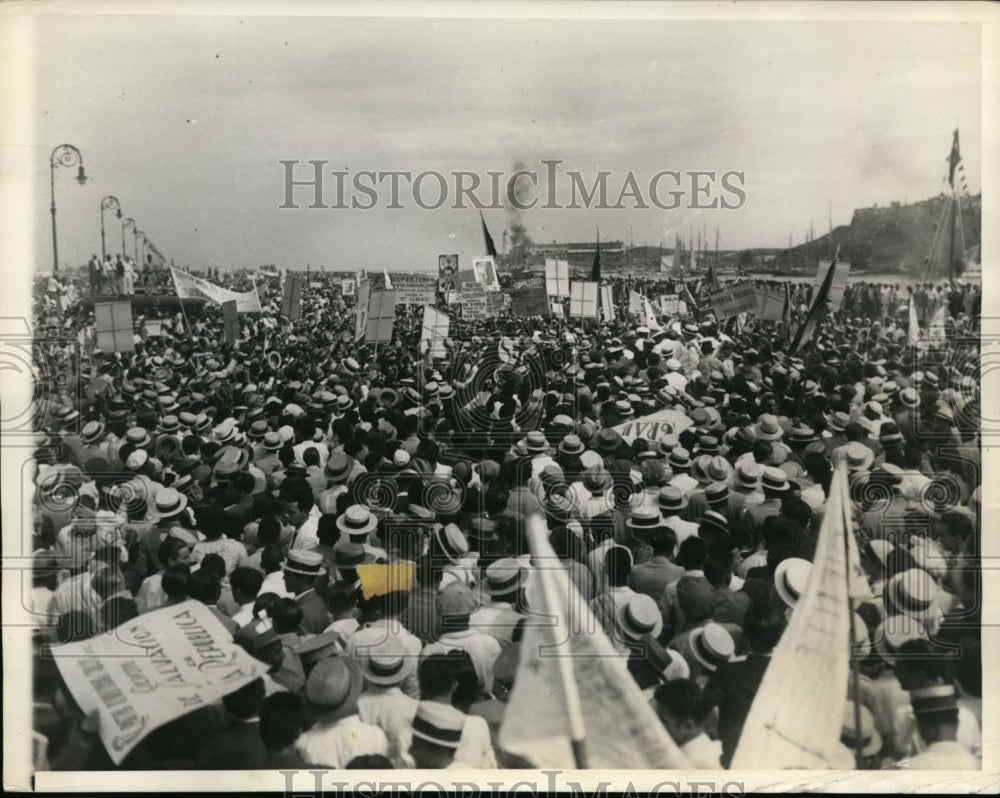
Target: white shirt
x=703, y=752
x=392, y=711
x=335, y=745
x=275, y=583
x=497, y=619
x=307, y=535
x=481, y=648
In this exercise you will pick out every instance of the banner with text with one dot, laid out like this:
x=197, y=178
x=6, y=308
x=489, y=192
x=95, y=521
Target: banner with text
x=733, y=300
x=670, y=304
x=414, y=289
x=189, y=287
x=152, y=670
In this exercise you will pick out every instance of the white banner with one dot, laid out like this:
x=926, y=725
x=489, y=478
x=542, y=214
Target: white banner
x=655, y=426
x=557, y=278
x=188, y=287
x=152, y=670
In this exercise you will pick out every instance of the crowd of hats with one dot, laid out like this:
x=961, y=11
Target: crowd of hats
x=436, y=462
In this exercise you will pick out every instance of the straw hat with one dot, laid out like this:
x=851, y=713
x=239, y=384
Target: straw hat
x=790, y=579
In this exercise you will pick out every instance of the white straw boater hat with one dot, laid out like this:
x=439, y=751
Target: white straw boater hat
x=438, y=723
x=386, y=663
x=790, y=579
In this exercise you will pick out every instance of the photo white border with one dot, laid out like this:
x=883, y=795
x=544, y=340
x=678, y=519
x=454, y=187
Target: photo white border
x=22, y=187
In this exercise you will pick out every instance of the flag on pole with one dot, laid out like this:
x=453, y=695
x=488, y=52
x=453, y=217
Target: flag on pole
x=954, y=161
x=388, y=282
x=818, y=309
x=595, y=269
x=649, y=316
x=574, y=704
x=796, y=722
x=490, y=246
x=710, y=277
x=913, y=333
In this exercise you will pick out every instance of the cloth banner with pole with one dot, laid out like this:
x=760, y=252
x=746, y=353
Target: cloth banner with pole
x=574, y=704
x=770, y=304
x=795, y=722
x=583, y=300
x=188, y=286
x=557, y=278
x=113, y=327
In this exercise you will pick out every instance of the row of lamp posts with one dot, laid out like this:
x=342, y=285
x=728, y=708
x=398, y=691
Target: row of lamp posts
x=67, y=155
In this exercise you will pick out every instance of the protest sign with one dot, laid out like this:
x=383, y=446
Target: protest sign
x=414, y=289
x=670, y=304
x=473, y=302
x=152, y=670
x=733, y=300
x=291, y=298
x=530, y=301
x=154, y=328
x=634, y=302
x=486, y=272
x=113, y=326
x=361, y=317
x=583, y=300
x=381, y=315
x=770, y=304
x=529, y=282
x=230, y=322
x=557, y=278
x=446, y=262
x=347, y=287
x=839, y=281
x=494, y=303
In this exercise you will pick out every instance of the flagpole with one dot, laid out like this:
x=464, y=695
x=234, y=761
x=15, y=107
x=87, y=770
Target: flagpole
x=536, y=527
x=842, y=482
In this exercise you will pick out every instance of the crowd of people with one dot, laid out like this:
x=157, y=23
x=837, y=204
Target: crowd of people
x=256, y=476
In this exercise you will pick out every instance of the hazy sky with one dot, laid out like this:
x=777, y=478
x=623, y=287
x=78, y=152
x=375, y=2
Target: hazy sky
x=185, y=120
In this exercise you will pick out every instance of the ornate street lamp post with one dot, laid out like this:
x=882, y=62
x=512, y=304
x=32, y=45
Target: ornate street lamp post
x=63, y=155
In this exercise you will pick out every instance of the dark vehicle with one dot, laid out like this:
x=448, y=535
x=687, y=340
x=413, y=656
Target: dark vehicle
x=149, y=305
